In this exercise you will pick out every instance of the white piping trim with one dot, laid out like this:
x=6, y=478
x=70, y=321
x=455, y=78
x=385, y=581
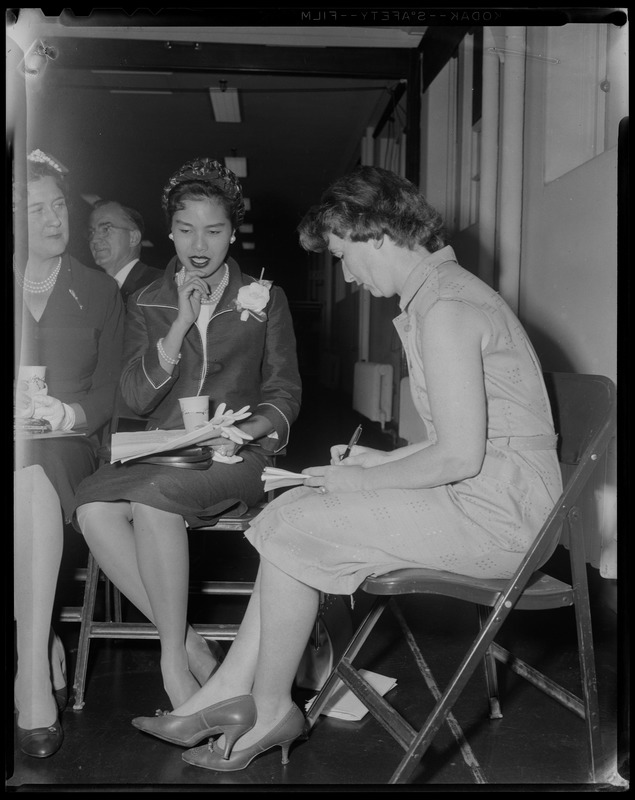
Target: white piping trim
x=154, y=386
x=285, y=419
x=155, y=305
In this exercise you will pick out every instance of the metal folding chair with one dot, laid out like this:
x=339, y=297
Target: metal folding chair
x=584, y=413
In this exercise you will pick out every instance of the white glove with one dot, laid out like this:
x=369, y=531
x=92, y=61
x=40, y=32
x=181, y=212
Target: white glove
x=60, y=415
x=23, y=405
x=226, y=459
x=225, y=421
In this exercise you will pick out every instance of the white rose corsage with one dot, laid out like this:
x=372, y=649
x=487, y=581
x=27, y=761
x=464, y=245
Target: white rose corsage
x=252, y=300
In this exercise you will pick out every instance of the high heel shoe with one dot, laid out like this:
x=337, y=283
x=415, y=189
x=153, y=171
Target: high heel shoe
x=233, y=717
x=210, y=756
x=41, y=742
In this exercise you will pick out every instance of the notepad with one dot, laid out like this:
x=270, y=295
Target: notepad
x=275, y=478
x=345, y=705
x=138, y=444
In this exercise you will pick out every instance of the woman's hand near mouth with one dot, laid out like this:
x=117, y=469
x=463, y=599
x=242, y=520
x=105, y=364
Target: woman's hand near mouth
x=193, y=290
x=190, y=293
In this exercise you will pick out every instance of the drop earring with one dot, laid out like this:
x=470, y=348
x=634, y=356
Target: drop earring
x=232, y=240
x=170, y=236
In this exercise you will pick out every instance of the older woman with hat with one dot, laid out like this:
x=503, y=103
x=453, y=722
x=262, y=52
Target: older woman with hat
x=69, y=322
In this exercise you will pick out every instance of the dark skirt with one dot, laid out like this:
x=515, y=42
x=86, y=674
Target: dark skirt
x=198, y=495
x=67, y=461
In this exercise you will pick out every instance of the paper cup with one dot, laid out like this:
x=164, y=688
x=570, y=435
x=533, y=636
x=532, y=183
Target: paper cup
x=195, y=412
x=31, y=380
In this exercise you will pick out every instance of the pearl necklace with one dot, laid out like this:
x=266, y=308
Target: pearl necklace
x=39, y=287
x=218, y=291
x=215, y=296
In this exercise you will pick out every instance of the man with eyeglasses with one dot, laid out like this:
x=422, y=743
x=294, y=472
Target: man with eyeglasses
x=114, y=237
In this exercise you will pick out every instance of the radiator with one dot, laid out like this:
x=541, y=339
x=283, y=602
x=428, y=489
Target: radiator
x=411, y=427
x=372, y=391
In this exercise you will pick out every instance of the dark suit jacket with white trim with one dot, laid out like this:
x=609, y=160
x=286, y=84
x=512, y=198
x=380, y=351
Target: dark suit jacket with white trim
x=249, y=362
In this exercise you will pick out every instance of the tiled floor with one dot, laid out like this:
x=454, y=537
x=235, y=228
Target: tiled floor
x=537, y=746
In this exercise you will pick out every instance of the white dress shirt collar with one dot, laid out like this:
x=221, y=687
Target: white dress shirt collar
x=123, y=273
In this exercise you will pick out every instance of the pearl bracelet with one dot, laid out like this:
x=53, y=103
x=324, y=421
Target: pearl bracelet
x=165, y=356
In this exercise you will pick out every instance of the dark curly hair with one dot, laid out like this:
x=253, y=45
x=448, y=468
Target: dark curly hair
x=369, y=203
x=204, y=178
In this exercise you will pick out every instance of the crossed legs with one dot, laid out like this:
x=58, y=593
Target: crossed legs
x=149, y=564
x=144, y=552
x=264, y=657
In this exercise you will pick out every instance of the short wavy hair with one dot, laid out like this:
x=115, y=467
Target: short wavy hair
x=133, y=215
x=369, y=203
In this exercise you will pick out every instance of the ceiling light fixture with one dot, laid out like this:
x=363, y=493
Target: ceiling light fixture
x=246, y=228
x=248, y=246
x=247, y=203
x=225, y=103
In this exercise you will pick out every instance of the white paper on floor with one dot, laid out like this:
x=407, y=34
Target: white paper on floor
x=345, y=705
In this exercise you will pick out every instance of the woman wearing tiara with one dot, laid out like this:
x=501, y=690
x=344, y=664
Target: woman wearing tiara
x=69, y=319
x=208, y=329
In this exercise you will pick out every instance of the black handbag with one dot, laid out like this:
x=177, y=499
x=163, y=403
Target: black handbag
x=193, y=457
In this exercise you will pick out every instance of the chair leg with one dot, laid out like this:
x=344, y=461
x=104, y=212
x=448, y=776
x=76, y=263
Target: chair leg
x=585, y=642
x=116, y=594
x=491, y=673
x=333, y=681
x=83, y=645
x=497, y=616
x=107, y=597
x=112, y=598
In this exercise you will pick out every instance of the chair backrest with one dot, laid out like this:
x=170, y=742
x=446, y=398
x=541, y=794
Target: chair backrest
x=584, y=411
x=583, y=407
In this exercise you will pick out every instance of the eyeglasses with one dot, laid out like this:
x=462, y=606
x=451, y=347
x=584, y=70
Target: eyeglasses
x=103, y=229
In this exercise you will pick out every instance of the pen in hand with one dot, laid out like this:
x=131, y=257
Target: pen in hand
x=352, y=443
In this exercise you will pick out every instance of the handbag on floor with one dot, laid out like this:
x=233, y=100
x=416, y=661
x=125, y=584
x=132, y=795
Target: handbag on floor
x=331, y=634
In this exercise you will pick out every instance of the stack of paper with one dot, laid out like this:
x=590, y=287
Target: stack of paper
x=138, y=444
x=345, y=705
x=124, y=446
x=275, y=478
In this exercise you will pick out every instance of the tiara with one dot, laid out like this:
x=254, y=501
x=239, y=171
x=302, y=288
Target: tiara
x=208, y=171
x=38, y=157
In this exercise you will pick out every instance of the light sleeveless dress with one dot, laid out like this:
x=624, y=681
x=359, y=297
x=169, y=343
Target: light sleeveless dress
x=479, y=527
